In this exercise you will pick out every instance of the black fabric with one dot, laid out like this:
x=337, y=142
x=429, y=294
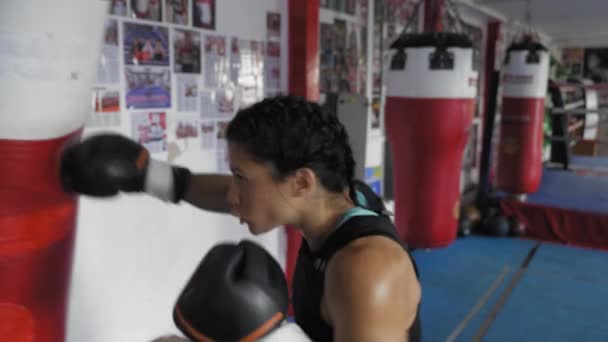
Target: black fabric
x=309, y=277
x=526, y=45
x=181, y=180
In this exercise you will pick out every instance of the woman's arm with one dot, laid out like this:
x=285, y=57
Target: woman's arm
x=208, y=192
x=371, y=292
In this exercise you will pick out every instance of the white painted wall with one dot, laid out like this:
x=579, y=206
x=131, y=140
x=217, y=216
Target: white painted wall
x=133, y=252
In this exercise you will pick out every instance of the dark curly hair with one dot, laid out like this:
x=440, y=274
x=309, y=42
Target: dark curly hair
x=290, y=132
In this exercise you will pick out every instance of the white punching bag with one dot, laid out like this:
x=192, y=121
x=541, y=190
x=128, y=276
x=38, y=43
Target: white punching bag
x=49, y=52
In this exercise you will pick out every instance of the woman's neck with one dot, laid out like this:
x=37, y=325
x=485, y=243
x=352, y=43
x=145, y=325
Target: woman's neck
x=323, y=220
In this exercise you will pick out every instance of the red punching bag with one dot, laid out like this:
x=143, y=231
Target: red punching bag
x=430, y=100
x=48, y=60
x=524, y=82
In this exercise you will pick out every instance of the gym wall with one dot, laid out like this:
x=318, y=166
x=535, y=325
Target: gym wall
x=134, y=253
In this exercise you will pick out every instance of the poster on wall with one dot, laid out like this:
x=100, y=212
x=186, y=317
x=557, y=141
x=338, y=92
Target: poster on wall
x=106, y=108
x=221, y=148
x=186, y=130
x=208, y=108
x=208, y=135
x=187, y=93
x=118, y=7
x=146, y=45
x=203, y=14
x=247, y=69
x=273, y=26
x=327, y=71
x=150, y=130
x=225, y=100
x=272, y=68
x=216, y=61
x=108, y=67
x=187, y=51
x=147, y=9
x=148, y=87
x=176, y=12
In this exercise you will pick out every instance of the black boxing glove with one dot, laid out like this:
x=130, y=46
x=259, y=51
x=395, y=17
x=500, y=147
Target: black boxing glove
x=105, y=164
x=237, y=293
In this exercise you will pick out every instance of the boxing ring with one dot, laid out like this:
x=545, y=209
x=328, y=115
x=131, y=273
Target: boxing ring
x=571, y=207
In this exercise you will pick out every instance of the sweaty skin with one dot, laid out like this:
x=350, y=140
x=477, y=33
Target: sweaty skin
x=369, y=285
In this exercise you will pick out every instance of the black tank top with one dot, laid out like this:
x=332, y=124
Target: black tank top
x=309, y=274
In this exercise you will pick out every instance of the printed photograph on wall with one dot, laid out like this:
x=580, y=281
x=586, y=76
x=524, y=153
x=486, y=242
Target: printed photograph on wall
x=203, y=14
x=147, y=9
x=187, y=51
x=223, y=165
x=108, y=67
x=186, y=127
x=208, y=108
x=273, y=26
x=146, y=44
x=176, y=11
x=328, y=51
x=208, y=136
x=187, y=93
x=148, y=87
x=272, y=67
x=150, y=130
x=216, y=61
x=119, y=7
x=106, y=108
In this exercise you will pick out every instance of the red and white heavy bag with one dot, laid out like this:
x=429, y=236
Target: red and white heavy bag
x=524, y=83
x=48, y=56
x=430, y=100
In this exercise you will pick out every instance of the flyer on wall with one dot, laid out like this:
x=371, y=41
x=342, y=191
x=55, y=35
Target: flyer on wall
x=216, y=61
x=186, y=130
x=187, y=93
x=208, y=135
x=247, y=69
x=150, y=130
x=106, y=108
x=223, y=165
x=225, y=100
x=208, y=108
x=187, y=51
x=176, y=11
x=148, y=87
x=203, y=14
x=146, y=44
x=273, y=26
x=272, y=68
x=147, y=9
x=108, y=67
x=119, y=8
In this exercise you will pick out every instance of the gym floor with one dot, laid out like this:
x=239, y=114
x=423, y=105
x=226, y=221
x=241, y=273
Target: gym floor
x=513, y=289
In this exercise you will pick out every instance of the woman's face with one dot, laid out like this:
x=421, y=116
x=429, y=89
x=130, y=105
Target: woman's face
x=255, y=196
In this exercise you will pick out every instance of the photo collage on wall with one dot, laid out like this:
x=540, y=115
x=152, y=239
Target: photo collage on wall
x=168, y=75
x=343, y=52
